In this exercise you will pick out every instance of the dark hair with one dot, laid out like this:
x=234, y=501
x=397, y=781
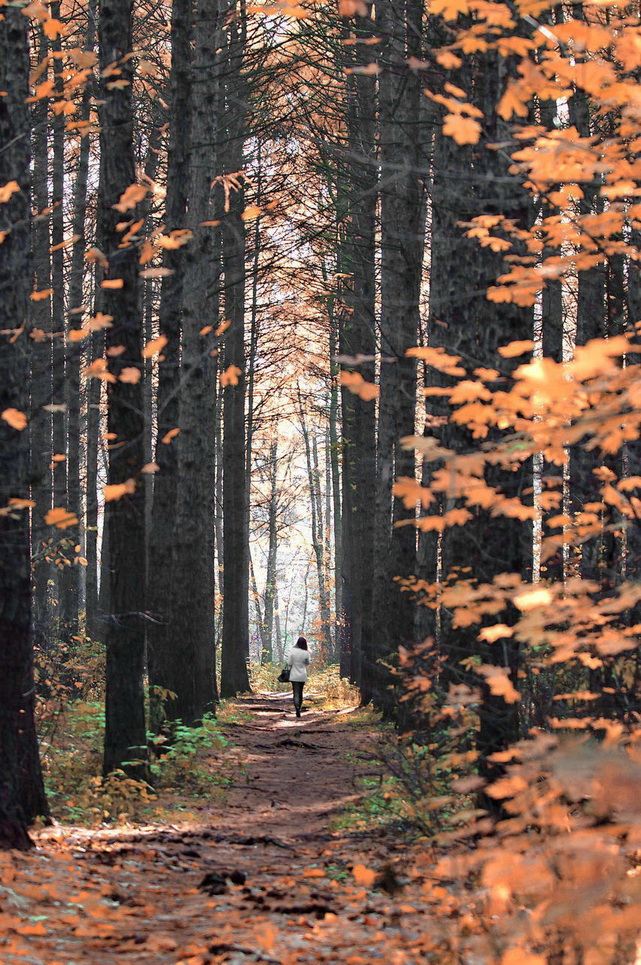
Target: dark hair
x=301, y=643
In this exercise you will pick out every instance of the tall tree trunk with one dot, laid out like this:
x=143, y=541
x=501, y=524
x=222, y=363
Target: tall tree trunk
x=401, y=194
x=357, y=191
x=125, y=731
x=21, y=788
x=193, y=579
x=235, y=643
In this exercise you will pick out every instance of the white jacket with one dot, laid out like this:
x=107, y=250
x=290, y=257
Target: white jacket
x=298, y=660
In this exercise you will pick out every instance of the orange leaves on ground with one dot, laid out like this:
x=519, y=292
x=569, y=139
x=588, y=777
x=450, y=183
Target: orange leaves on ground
x=15, y=418
x=154, y=346
x=118, y=490
x=61, y=518
x=133, y=195
x=231, y=375
x=365, y=877
x=356, y=384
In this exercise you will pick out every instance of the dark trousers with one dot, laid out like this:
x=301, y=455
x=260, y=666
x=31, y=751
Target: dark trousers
x=297, y=687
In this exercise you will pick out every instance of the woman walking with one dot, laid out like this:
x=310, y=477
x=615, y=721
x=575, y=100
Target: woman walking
x=297, y=661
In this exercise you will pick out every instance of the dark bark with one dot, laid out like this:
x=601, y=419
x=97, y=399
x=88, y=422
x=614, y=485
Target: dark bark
x=235, y=642
x=125, y=732
x=357, y=195
x=401, y=193
x=21, y=788
x=192, y=618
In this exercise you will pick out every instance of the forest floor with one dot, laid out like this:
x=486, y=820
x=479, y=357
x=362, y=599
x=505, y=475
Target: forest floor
x=271, y=874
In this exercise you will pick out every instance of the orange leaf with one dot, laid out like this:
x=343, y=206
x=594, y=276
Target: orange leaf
x=356, y=384
x=130, y=375
x=118, y=490
x=98, y=370
x=41, y=295
x=15, y=418
x=498, y=680
x=464, y=130
x=170, y=435
x=77, y=334
x=61, y=518
x=363, y=876
x=154, y=346
x=231, y=375
x=512, y=349
x=251, y=212
x=7, y=190
x=52, y=28
x=112, y=284
x=131, y=197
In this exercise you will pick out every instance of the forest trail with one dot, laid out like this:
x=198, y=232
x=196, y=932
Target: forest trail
x=284, y=886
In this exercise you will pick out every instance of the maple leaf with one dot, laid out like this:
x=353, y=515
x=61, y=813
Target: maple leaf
x=15, y=418
x=464, y=130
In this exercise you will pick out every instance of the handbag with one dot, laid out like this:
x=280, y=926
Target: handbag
x=283, y=677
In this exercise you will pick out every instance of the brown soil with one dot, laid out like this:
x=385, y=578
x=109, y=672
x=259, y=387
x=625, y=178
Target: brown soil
x=264, y=878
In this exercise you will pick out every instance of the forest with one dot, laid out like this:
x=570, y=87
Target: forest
x=320, y=318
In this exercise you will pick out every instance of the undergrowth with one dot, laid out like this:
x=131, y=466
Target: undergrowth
x=192, y=766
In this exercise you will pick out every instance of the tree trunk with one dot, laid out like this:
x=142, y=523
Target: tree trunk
x=125, y=731
x=357, y=192
x=193, y=580
x=401, y=195
x=235, y=644
x=21, y=788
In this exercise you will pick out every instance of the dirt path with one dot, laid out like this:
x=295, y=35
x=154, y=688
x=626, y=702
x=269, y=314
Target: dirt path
x=264, y=879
